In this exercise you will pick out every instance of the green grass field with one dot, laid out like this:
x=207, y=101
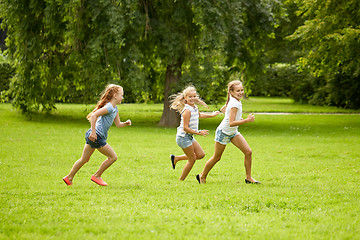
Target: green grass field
x=308, y=165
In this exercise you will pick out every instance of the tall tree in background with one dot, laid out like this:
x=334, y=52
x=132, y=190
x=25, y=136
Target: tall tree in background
x=203, y=35
x=146, y=46
x=330, y=38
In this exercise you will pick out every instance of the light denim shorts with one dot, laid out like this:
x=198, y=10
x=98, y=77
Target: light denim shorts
x=186, y=141
x=223, y=138
x=99, y=142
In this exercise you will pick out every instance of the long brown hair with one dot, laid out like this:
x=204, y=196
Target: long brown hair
x=106, y=97
x=178, y=100
x=231, y=86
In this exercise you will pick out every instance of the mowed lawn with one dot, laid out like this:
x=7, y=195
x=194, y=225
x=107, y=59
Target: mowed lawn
x=309, y=166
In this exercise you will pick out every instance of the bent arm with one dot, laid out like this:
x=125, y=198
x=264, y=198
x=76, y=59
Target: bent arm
x=186, y=118
x=120, y=124
x=223, y=109
x=234, y=123
x=94, y=116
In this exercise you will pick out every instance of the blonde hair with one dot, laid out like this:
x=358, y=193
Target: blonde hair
x=178, y=101
x=106, y=97
x=231, y=86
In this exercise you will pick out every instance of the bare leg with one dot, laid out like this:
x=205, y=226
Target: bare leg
x=85, y=157
x=219, y=149
x=109, y=152
x=193, y=153
x=199, y=153
x=180, y=158
x=240, y=142
x=189, y=151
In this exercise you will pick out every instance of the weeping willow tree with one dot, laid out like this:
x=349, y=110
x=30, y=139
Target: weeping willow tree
x=152, y=48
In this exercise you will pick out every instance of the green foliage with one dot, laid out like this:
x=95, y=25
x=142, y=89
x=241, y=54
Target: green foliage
x=303, y=90
x=330, y=39
x=339, y=90
x=6, y=73
x=285, y=80
x=277, y=80
x=278, y=48
x=69, y=50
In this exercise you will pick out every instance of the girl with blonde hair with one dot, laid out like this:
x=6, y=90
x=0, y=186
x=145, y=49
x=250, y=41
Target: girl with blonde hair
x=227, y=132
x=185, y=103
x=101, y=118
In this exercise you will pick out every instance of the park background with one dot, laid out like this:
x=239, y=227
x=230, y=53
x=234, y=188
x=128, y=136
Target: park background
x=295, y=57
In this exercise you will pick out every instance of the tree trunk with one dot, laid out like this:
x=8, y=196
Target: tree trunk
x=170, y=118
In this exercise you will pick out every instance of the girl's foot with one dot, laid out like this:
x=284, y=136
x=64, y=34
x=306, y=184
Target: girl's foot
x=172, y=158
x=252, y=181
x=98, y=181
x=199, y=179
x=67, y=181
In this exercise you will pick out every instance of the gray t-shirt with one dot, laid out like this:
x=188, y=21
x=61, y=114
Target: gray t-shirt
x=105, y=121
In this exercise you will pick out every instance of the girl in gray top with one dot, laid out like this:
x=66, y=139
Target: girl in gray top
x=101, y=118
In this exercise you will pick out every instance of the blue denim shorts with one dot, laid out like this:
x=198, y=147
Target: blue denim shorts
x=186, y=141
x=223, y=138
x=99, y=142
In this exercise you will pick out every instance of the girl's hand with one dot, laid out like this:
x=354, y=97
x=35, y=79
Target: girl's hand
x=93, y=136
x=251, y=117
x=204, y=132
x=128, y=122
x=215, y=113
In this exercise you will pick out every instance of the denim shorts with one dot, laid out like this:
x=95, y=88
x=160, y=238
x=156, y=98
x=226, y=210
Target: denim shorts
x=99, y=142
x=186, y=141
x=223, y=138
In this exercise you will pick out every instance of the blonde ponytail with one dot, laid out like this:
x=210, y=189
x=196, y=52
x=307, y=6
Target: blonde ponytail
x=231, y=86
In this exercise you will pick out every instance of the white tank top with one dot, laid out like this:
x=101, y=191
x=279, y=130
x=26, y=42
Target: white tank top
x=225, y=123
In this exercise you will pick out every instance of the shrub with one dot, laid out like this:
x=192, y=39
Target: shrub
x=6, y=73
x=283, y=80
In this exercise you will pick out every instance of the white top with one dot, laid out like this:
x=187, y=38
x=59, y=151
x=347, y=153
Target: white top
x=225, y=125
x=193, y=123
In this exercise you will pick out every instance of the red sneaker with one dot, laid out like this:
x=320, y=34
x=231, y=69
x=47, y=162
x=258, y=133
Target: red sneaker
x=67, y=181
x=98, y=181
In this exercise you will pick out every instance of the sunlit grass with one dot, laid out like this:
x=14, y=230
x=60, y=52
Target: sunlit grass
x=308, y=164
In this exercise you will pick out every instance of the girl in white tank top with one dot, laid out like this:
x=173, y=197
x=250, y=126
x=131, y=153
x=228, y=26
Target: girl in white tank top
x=227, y=132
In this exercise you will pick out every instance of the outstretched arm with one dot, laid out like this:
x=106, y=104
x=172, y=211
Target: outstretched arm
x=204, y=115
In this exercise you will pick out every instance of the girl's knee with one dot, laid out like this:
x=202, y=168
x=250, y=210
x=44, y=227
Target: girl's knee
x=84, y=160
x=113, y=158
x=192, y=160
x=200, y=155
x=248, y=152
x=216, y=158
